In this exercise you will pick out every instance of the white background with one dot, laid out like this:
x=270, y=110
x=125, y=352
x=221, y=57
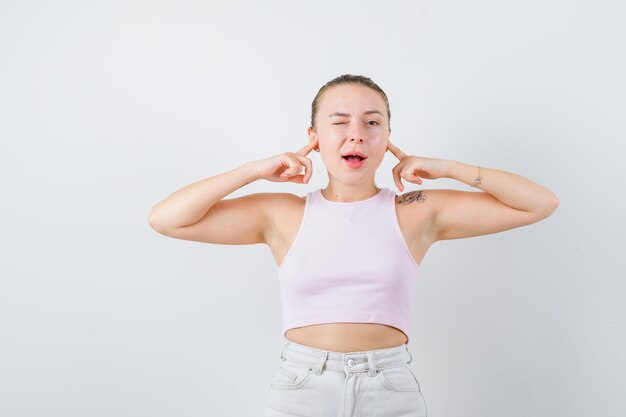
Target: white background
x=108, y=107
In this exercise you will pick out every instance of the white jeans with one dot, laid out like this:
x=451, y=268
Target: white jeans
x=318, y=383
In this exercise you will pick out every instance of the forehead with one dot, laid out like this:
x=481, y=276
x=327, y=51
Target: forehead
x=351, y=99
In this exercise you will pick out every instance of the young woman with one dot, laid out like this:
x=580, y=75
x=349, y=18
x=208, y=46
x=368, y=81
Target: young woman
x=349, y=253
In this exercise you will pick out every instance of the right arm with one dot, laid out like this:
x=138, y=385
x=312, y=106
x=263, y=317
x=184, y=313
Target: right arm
x=183, y=214
x=200, y=213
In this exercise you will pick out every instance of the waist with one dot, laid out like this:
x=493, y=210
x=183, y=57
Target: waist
x=356, y=361
x=347, y=337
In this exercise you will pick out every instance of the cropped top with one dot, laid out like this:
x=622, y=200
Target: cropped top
x=349, y=262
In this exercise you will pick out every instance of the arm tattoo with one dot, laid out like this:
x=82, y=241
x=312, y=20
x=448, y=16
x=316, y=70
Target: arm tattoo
x=411, y=197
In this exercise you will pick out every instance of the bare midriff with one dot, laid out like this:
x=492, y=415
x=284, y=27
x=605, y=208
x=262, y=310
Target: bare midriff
x=347, y=337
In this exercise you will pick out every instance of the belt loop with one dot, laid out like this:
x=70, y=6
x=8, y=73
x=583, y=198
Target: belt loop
x=320, y=363
x=370, y=364
x=410, y=356
x=282, y=350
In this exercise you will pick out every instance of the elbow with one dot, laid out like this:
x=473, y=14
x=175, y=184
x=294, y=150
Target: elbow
x=554, y=203
x=153, y=223
x=157, y=228
x=151, y=218
x=552, y=206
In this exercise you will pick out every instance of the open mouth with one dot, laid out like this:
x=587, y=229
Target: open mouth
x=354, y=161
x=353, y=158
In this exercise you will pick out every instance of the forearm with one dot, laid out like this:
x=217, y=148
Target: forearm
x=511, y=189
x=189, y=204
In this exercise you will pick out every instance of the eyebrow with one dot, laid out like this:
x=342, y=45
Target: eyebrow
x=348, y=115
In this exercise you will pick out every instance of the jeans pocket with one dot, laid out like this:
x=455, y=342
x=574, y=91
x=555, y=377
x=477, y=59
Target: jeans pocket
x=399, y=378
x=291, y=376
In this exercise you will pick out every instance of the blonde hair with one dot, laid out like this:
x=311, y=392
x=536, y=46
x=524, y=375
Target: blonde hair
x=348, y=79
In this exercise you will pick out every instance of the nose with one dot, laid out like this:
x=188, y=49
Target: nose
x=356, y=133
x=356, y=136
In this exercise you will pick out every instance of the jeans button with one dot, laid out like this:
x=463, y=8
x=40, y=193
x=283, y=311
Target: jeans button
x=350, y=362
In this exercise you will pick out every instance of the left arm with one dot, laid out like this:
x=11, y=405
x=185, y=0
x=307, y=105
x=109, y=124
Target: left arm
x=507, y=201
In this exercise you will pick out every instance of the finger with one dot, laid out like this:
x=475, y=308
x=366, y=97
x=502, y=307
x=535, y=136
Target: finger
x=292, y=169
x=397, y=178
x=295, y=167
x=297, y=179
x=304, y=151
x=416, y=177
x=395, y=150
x=308, y=166
x=290, y=172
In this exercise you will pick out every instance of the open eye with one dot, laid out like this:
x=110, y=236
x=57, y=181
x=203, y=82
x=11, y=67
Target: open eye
x=374, y=122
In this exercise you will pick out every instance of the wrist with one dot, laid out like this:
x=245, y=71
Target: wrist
x=251, y=172
x=466, y=173
x=452, y=167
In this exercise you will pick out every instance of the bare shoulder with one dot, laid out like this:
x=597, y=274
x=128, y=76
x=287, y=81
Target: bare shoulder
x=415, y=215
x=243, y=220
x=460, y=214
x=284, y=211
x=284, y=198
x=278, y=203
x=431, y=201
x=432, y=198
x=417, y=196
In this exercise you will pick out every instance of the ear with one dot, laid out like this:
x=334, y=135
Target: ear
x=314, y=138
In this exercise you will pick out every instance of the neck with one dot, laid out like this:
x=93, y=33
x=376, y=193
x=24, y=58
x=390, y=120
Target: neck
x=348, y=195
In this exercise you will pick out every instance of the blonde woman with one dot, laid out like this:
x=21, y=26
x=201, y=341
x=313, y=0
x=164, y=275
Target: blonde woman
x=349, y=254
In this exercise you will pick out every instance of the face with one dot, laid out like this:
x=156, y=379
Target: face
x=356, y=128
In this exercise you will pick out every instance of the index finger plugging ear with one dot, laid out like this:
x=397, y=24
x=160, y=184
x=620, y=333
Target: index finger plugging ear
x=395, y=150
x=304, y=151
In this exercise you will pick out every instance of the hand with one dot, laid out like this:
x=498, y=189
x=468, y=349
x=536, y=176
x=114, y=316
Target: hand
x=411, y=168
x=287, y=166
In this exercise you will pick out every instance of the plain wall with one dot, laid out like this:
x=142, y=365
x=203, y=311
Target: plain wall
x=107, y=107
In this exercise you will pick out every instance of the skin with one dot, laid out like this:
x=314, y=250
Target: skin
x=333, y=137
x=199, y=211
x=337, y=135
